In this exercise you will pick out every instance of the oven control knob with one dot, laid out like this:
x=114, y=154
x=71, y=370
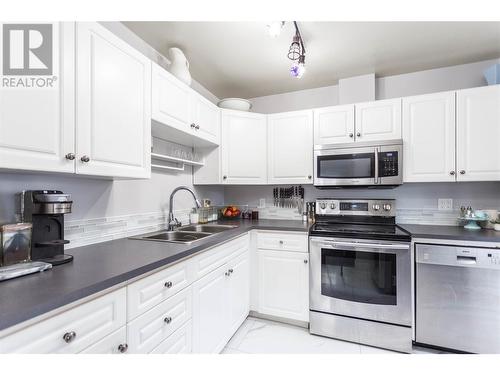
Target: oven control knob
x=332, y=206
x=322, y=205
x=376, y=207
x=387, y=207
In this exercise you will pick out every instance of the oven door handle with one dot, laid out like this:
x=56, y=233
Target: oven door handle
x=351, y=245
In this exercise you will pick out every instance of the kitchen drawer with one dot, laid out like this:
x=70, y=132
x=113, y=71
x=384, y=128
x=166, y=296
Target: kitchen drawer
x=282, y=241
x=178, y=342
x=88, y=322
x=148, y=330
x=216, y=257
x=156, y=288
x=115, y=343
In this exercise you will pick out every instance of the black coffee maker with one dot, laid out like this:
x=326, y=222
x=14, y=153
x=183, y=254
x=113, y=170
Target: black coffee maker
x=45, y=209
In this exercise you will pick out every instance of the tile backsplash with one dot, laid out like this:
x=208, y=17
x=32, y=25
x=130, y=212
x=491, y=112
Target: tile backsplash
x=86, y=232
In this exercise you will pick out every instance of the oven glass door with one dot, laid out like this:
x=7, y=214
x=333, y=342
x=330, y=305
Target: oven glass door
x=360, y=276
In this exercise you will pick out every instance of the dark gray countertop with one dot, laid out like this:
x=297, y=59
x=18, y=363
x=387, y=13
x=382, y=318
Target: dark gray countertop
x=448, y=232
x=103, y=265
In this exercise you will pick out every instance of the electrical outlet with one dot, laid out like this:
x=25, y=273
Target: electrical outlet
x=445, y=204
x=262, y=202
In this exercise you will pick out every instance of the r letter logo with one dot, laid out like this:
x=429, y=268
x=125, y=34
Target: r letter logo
x=27, y=49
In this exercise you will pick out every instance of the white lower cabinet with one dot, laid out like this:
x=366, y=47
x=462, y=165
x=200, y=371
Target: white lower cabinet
x=221, y=302
x=73, y=330
x=115, y=343
x=148, y=330
x=283, y=284
x=180, y=342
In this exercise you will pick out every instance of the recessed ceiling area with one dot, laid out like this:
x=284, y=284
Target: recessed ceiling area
x=240, y=59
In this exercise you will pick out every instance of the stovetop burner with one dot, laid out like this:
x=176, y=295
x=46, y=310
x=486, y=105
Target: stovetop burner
x=364, y=231
x=357, y=218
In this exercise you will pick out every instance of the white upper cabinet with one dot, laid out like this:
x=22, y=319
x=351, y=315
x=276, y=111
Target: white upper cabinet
x=290, y=148
x=180, y=114
x=378, y=120
x=170, y=103
x=429, y=138
x=334, y=125
x=113, y=100
x=37, y=124
x=244, y=148
x=478, y=134
x=205, y=118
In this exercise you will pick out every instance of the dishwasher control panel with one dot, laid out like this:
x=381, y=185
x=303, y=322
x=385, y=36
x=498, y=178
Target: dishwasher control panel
x=477, y=257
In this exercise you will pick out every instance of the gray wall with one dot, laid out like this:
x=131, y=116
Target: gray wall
x=423, y=82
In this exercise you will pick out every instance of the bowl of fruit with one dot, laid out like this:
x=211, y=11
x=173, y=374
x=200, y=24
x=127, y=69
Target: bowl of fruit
x=230, y=212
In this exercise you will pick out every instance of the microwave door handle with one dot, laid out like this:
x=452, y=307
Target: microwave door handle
x=376, y=167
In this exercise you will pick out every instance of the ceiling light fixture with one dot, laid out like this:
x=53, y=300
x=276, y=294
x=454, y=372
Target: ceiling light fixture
x=297, y=53
x=274, y=28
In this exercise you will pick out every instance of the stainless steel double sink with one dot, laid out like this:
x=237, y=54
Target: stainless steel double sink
x=187, y=234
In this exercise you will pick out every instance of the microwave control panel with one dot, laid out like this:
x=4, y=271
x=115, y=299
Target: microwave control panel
x=388, y=164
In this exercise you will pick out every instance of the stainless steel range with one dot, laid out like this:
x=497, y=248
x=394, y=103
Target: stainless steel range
x=360, y=283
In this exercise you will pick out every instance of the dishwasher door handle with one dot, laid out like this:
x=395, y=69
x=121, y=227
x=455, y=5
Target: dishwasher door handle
x=466, y=260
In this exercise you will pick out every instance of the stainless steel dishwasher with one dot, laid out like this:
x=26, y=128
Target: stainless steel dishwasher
x=458, y=297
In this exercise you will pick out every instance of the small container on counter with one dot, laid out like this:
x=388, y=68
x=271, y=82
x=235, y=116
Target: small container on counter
x=193, y=217
x=255, y=215
x=15, y=243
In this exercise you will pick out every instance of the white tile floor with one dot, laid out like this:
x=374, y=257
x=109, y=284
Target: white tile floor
x=259, y=336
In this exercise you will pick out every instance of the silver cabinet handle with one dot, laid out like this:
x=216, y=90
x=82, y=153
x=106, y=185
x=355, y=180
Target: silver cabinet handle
x=306, y=261
x=122, y=348
x=452, y=173
x=193, y=125
x=462, y=172
x=70, y=156
x=168, y=284
x=351, y=135
x=227, y=273
x=85, y=159
x=281, y=242
x=224, y=177
x=230, y=271
x=168, y=320
x=69, y=336
x=197, y=127
x=309, y=177
x=358, y=134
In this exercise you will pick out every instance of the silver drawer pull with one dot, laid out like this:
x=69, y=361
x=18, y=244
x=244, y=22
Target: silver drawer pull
x=122, y=348
x=168, y=284
x=281, y=242
x=168, y=320
x=69, y=336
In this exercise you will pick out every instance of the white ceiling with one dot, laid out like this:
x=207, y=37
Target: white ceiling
x=240, y=59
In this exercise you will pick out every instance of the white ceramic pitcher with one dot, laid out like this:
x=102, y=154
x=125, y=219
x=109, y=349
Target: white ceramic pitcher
x=179, y=65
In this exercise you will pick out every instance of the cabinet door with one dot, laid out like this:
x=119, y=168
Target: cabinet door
x=429, y=138
x=170, y=102
x=115, y=343
x=379, y=120
x=478, y=134
x=37, y=123
x=73, y=330
x=284, y=284
x=239, y=290
x=205, y=118
x=334, y=125
x=290, y=148
x=244, y=148
x=179, y=342
x=113, y=105
x=210, y=312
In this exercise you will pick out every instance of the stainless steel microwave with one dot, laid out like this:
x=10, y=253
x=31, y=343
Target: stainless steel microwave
x=370, y=164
